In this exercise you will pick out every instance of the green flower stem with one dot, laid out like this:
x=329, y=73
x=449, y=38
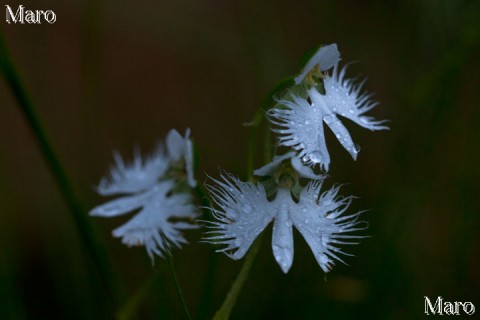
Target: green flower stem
x=92, y=246
x=224, y=312
x=177, y=286
x=128, y=311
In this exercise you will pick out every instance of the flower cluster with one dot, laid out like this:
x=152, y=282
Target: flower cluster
x=243, y=209
x=288, y=192
x=159, y=186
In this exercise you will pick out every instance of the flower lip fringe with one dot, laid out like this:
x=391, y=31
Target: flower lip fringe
x=243, y=211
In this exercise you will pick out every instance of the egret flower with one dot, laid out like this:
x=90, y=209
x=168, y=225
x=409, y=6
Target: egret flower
x=155, y=188
x=243, y=211
x=300, y=121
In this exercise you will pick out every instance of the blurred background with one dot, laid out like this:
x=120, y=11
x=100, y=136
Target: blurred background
x=111, y=75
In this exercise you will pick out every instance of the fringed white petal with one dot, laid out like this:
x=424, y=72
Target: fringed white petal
x=344, y=97
x=321, y=224
x=152, y=227
x=136, y=176
x=300, y=126
x=242, y=212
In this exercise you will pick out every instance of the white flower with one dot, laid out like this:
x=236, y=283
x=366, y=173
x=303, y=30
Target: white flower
x=302, y=170
x=243, y=211
x=143, y=185
x=325, y=58
x=301, y=122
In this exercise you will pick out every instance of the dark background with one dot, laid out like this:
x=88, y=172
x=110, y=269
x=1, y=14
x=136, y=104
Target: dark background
x=114, y=74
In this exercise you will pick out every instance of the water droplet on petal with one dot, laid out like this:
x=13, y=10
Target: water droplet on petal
x=307, y=122
x=328, y=118
x=247, y=208
x=275, y=248
x=356, y=148
x=323, y=259
x=288, y=223
x=315, y=156
x=232, y=215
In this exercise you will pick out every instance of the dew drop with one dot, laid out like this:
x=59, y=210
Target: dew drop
x=288, y=223
x=323, y=259
x=315, y=156
x=307, y=122
x=247, y=208
x=275, y=248
x=328, y=118
x=356, y=148
x=232, y=215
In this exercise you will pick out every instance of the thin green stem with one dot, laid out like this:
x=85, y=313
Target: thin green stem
x=177, y=286
x=224, y=312
x=92, y=246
